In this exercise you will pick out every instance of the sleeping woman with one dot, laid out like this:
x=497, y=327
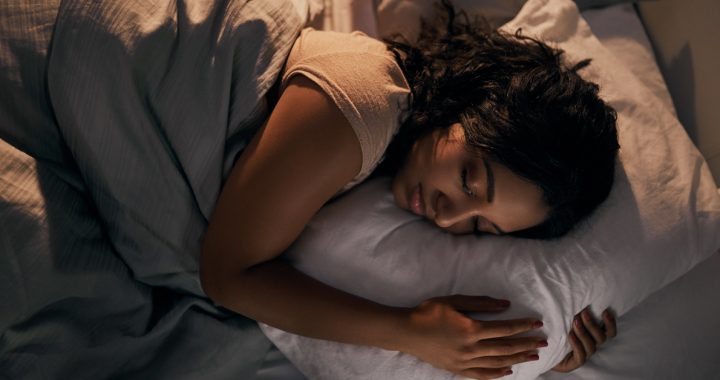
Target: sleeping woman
x=482, y=132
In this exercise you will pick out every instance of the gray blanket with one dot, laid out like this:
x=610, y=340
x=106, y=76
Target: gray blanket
x=120, y=121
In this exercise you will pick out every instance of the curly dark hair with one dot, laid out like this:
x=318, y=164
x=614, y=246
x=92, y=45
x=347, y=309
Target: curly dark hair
x=518, y=104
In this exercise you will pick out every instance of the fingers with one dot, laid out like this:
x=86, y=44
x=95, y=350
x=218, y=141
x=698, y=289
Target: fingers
x=499, y=329
x=594, y=334
x=476, y=303
x=509, y=346
x=486, y=373
x=503, y=361
x=458, y=343
x=585, y=337
x=502, y=354
x=575, y=358
x=592, y=327
x=610, y=325
x=578, y=351
x=581, y=333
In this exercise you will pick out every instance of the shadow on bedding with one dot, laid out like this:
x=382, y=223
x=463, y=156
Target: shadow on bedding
x=72, y=304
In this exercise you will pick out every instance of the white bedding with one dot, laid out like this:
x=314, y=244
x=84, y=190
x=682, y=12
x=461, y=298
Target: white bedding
x=333, y=361
x=62, y=270
x=675, y=333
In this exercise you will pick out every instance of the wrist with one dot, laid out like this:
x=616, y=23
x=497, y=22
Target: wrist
x=398, y=331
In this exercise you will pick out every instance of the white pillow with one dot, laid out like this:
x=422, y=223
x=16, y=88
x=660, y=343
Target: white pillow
x=661, y=219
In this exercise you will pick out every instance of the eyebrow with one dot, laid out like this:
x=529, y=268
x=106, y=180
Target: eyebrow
x=490, y=191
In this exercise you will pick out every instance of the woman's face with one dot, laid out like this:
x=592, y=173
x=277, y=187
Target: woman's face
x=462, y=192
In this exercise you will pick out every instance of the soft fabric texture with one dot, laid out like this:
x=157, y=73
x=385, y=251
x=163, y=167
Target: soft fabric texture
x=119, y=119
x=639, y=352
x=661, y=219
x=154, y=101
x=72, y=309
x=362, y=78
x=683, y=310
x=621, y=31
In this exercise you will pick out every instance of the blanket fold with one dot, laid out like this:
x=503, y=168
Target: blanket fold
x=120, y=121
x=147, y=95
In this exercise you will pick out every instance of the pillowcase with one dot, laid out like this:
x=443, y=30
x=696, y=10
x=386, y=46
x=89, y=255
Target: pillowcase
x=661, y=219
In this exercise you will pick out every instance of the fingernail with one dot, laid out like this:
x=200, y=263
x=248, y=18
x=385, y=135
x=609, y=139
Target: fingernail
x=503, y=303
x=534, y=357
x=577, y=322
x=508, y=372
x=542, y=343
x=537, y=324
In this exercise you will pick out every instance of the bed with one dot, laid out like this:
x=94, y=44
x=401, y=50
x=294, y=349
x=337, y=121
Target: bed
x=76, y=298
x=650, y=331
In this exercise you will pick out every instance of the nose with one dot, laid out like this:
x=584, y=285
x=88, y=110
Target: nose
x=452, y=210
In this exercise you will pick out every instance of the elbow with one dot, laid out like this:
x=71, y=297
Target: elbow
x=210, y=283
x=221, y=271
x=212, y=278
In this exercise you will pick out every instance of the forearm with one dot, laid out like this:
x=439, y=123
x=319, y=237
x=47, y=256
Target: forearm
x=278, y=294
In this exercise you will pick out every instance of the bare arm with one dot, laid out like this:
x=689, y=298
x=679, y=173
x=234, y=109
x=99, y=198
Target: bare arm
x=306, y=153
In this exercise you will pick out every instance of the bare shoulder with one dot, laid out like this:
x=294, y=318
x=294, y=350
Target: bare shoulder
x=303, y=155
x=309, y=127
x=304, y=106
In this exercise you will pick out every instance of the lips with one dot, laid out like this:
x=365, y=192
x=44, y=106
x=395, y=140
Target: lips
x=417, y=205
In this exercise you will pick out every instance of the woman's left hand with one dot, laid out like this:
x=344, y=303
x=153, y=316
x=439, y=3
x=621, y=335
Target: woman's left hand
x=585, y=338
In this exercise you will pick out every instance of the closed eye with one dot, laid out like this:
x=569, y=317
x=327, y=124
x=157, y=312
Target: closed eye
x=465, y=187
x=490, y=227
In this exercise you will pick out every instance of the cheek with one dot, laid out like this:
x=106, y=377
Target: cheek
x=431, y=160
x=405, y=177
x=414, y=164
x=531, y=209
x=525, y=215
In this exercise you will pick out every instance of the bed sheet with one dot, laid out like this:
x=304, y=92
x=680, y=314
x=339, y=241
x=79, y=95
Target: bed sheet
x=653, y=323
x=673, y=334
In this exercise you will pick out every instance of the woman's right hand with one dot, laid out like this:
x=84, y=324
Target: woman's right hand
x=440, y=334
